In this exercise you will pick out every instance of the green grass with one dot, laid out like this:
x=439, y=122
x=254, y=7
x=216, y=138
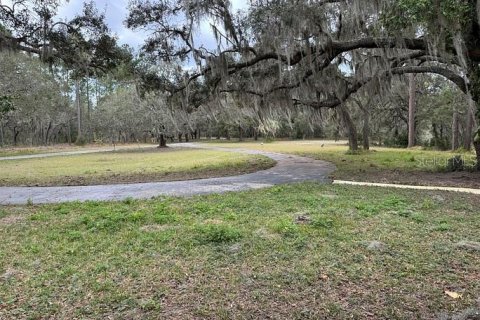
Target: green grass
x=21, y=151
x=131, y=166
x=10, y=152
x=243, y=255
x=377, y=165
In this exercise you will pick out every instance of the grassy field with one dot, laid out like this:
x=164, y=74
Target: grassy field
x=21, y=151
x=390, y=165
x=131, y=166
x=287, y=252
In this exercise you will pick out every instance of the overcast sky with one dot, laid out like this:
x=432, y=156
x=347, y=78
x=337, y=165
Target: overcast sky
x=117, y=10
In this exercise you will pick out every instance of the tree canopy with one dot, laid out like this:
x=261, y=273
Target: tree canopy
x=275, y=64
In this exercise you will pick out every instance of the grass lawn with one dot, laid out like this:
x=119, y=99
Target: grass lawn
x=287, y=252
x=21, y=151
x=389, y=165
x=128, y=166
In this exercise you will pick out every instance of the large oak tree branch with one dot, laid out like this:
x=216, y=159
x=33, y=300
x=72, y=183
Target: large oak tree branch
x=336, y=101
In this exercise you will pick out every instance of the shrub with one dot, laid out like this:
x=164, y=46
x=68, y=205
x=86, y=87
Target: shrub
x=439, y=143
x=455, y=164
x=81, y=141
x=269, y=139
x=401, y=140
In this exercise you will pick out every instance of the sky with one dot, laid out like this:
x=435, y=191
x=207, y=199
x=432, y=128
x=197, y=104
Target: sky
x=117, y=10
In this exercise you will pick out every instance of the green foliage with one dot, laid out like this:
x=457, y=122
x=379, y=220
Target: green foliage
x=455, y=163
x=6, y=105
x=393, y=204
x=429, y=13
x=324, y=222
x=81, y=141
x=477, y=136
x=216, y=233
x=399, y=141
x=285, y=227
x=439, y=143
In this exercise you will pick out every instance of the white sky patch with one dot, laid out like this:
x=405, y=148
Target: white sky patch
x=205, y=37
x=115, y=14
x=117, y=11
x=6, y=2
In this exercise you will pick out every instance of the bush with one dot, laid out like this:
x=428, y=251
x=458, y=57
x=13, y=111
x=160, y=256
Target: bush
x=269, y=139
x=400, y=140
x=81, y=141
x=439, y=143
x=456, y=164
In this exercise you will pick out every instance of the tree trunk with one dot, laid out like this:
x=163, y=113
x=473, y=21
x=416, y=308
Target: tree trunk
x=1, y=135
x=255, y=134
x=366, y=123
x=186, y=137
x=47, y=133
x=15, y=136
x=455, y=130
x=366, y=129
x=435, y=131
x=89, y=125
x=69, y=132
x=240, y=133
x=470, y=125
x=79, y=109
x=351, y=129
x=162, y=142
x=179, y=137
x=411, y=110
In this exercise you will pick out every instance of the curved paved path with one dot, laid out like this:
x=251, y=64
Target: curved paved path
x=289, y=168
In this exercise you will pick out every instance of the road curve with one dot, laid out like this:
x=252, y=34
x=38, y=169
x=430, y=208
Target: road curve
x=289, y=169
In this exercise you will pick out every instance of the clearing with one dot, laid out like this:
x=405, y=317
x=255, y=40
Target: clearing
x=128, y=166
x=303, y=251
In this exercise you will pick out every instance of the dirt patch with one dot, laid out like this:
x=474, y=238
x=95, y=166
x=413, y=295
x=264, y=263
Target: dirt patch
x=9, y=274
x=437, y=179
x=302, y=218
x=265, y=234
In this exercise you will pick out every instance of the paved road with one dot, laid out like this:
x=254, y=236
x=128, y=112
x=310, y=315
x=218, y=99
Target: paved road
x=289, y=168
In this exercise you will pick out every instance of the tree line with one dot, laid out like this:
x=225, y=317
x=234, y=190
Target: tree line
x=395, y=72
